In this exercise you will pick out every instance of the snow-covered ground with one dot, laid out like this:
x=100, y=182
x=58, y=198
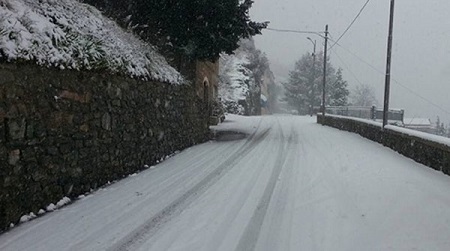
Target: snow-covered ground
x=69, y=34
x=290, y=185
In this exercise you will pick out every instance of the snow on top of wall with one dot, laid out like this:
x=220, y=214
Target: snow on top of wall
x=69, y=34
x=421, y=135
x=366, y=121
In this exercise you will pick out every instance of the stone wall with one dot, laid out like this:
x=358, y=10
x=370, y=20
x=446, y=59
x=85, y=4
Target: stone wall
x=63, y=133
x=427, y=152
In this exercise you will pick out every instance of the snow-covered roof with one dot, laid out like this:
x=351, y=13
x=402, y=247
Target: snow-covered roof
x=69, y=34
x=417, y=122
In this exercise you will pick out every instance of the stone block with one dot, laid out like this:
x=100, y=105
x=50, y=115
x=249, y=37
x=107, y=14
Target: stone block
x=116, y=103
x=106, y=121
x=60, y=119
x=2, y=115
x=38, y=175
x=14, y=157
x=84, y=128
x=52, y=150
x=6, y=76
x=65, y=148
x=30, y=131
x=16, y=129
x=81, y=98
x=13, y=112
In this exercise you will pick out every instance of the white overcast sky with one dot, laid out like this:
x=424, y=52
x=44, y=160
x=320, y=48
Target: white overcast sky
x=421, y=50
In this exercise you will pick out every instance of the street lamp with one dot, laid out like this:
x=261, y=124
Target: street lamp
x=313, y=75
x=314, y=43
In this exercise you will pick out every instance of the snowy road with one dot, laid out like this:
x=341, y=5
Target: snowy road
x=290, y=185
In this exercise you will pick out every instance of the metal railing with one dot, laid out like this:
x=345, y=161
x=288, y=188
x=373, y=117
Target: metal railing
x=396, y=115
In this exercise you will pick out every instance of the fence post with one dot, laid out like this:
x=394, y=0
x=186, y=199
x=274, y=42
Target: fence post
x=373, y=114
x=403, y=116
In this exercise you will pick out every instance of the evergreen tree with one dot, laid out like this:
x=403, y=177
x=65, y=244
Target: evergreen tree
x=304, y=86
x=199, y=29
x=338, y=91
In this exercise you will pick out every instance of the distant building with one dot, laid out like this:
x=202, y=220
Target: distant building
x=419, y=124
x=205, y=76
x=207, y=79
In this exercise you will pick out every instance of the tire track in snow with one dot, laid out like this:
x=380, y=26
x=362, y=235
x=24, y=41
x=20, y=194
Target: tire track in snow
x=136, y=238
x=138, y=207
x=276, y=230
x=251, y=233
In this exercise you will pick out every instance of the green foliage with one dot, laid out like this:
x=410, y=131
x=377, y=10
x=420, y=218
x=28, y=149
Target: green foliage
x=85, y=50
x=338, y=91
x=305, y=84
x=200, y=29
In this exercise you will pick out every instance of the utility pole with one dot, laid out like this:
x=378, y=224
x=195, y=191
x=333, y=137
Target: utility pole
x=388, y=67
x=324, y=72
x=313, y=76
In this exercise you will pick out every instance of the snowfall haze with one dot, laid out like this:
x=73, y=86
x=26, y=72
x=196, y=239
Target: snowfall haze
x=420, y=62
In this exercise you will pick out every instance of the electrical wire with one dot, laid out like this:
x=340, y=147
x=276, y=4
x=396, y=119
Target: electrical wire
x=336, y=42
x=351, y=24
x=296, y=31
x=394, y=80
x=347, y=67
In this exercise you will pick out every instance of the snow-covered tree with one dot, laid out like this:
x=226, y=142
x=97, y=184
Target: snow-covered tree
x=258, y=65
x=363, y=95
x=240, y=79
x=304, y=86
x=338, y=91
x=234, y=82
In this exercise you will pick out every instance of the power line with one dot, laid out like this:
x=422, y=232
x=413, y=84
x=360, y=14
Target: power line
x=360, y=58
x=296, y=31
x=396, y=81
x=421, y=97
x=351, y=24
x=347, y=67
x=343, y=62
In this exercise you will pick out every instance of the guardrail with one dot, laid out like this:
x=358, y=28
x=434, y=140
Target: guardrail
x=364, y=112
